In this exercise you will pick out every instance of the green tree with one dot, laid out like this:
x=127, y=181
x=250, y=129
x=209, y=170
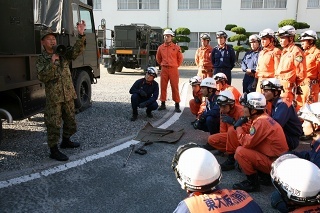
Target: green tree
x=181, y=37
x=295, y=24
x=240, y=37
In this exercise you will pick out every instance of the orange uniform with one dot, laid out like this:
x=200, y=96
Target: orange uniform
x=291, y=70
x=219, y=140
x=235, y=93
x=257, y=148
x=203, y=61
x=196, y=102
x=268, y=62
x=169, y=57
x=310, y=85
x=220, y=200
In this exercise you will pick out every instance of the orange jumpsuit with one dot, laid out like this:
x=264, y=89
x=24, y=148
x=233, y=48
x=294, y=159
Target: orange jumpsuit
x=257, y=148
x=310, y=85
x=196, y=102
x=291, y=70
x=268, y=62
x=219, y=140
x=169, y=57
x=203, y=61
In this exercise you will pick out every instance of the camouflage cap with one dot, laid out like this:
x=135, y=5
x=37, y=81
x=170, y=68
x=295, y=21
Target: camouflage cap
x=45, y=32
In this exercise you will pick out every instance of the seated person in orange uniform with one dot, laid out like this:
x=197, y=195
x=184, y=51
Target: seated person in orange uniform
x=200, y=178
x=222, y=84
x=257, y=149
x=229, y=113
x=196, y=102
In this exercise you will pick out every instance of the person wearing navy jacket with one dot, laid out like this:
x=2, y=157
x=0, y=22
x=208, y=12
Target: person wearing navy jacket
x=223, y=56
x=145, y=92
x=249, y=64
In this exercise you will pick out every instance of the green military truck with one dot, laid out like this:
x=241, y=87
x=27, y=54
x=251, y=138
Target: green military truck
x=133, y=46
x=21, y=93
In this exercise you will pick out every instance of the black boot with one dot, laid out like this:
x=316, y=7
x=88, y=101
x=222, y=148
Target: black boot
x=66, y=143
x=177, y=108
x=229, y=163
x=57, y=155
x=162, y=106
x=250, y=185
x=208, y=147
x=264, y=179
x=149, y=114
x=134, y=115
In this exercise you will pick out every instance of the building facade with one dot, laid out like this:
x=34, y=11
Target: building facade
x=206, y=15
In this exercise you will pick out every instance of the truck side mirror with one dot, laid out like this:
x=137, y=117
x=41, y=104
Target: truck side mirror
x=112, y=33
x=103, y=24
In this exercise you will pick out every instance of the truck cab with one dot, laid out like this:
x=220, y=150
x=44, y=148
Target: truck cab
x=134, y=46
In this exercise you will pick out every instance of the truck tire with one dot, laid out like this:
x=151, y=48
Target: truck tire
x=119, y=68
x=111, y=70
x=82, y=85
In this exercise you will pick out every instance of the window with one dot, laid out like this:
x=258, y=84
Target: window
x=313, y=3
x=252, y=4
x=138, y=4
x=195, y=42
x=199, y=4
x=96, y=3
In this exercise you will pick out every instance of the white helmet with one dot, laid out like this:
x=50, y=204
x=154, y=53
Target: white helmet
x=205, y=36
x=310, y=112
x=269, y=33
x=272, y=84
x=253, y=100
x=220, y=77
x=196, y=168
x=195, y=80
x=254, y=37
x=296, y=179
x=309, y=34
x=221, y=34
x=152, y=71
x=208, y=82
x=225, y=97
x=287, y=30
x=168, y=32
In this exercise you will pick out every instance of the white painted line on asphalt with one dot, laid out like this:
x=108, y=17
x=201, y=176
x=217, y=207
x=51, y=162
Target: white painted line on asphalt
x=72, y=164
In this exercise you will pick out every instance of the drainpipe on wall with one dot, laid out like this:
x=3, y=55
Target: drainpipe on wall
x=297, y=8
x=167, y=13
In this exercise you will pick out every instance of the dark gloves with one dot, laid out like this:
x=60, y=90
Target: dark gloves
x=196, y=124
x=202, y=118
x=242, y=120
x=142, y=93
x=254, y=83
x=143, y=104
x=227, y=119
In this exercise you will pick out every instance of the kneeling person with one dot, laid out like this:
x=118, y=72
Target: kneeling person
x=200, y=177
x=145, y=92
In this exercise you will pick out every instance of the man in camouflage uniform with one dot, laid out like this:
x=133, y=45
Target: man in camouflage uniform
x=53, y=71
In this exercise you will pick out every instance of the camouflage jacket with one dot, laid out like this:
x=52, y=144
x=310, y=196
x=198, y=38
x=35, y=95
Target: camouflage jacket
x=57, y=76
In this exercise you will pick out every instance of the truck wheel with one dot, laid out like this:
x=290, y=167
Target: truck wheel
x=112, y=70
x=119, y=68
x=83, y=90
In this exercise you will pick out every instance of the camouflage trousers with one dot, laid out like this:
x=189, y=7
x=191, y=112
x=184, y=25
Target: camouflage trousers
x=54, y=115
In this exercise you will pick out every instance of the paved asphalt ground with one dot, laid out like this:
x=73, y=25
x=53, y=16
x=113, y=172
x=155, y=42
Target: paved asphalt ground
x=94, y=179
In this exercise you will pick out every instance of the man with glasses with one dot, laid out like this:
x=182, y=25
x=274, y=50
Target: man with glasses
x=291, y=69
x=203, y=57
x=282, y=111
x=249, y=64
x=269, y=57
x=223, y=56
x=145, y=92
